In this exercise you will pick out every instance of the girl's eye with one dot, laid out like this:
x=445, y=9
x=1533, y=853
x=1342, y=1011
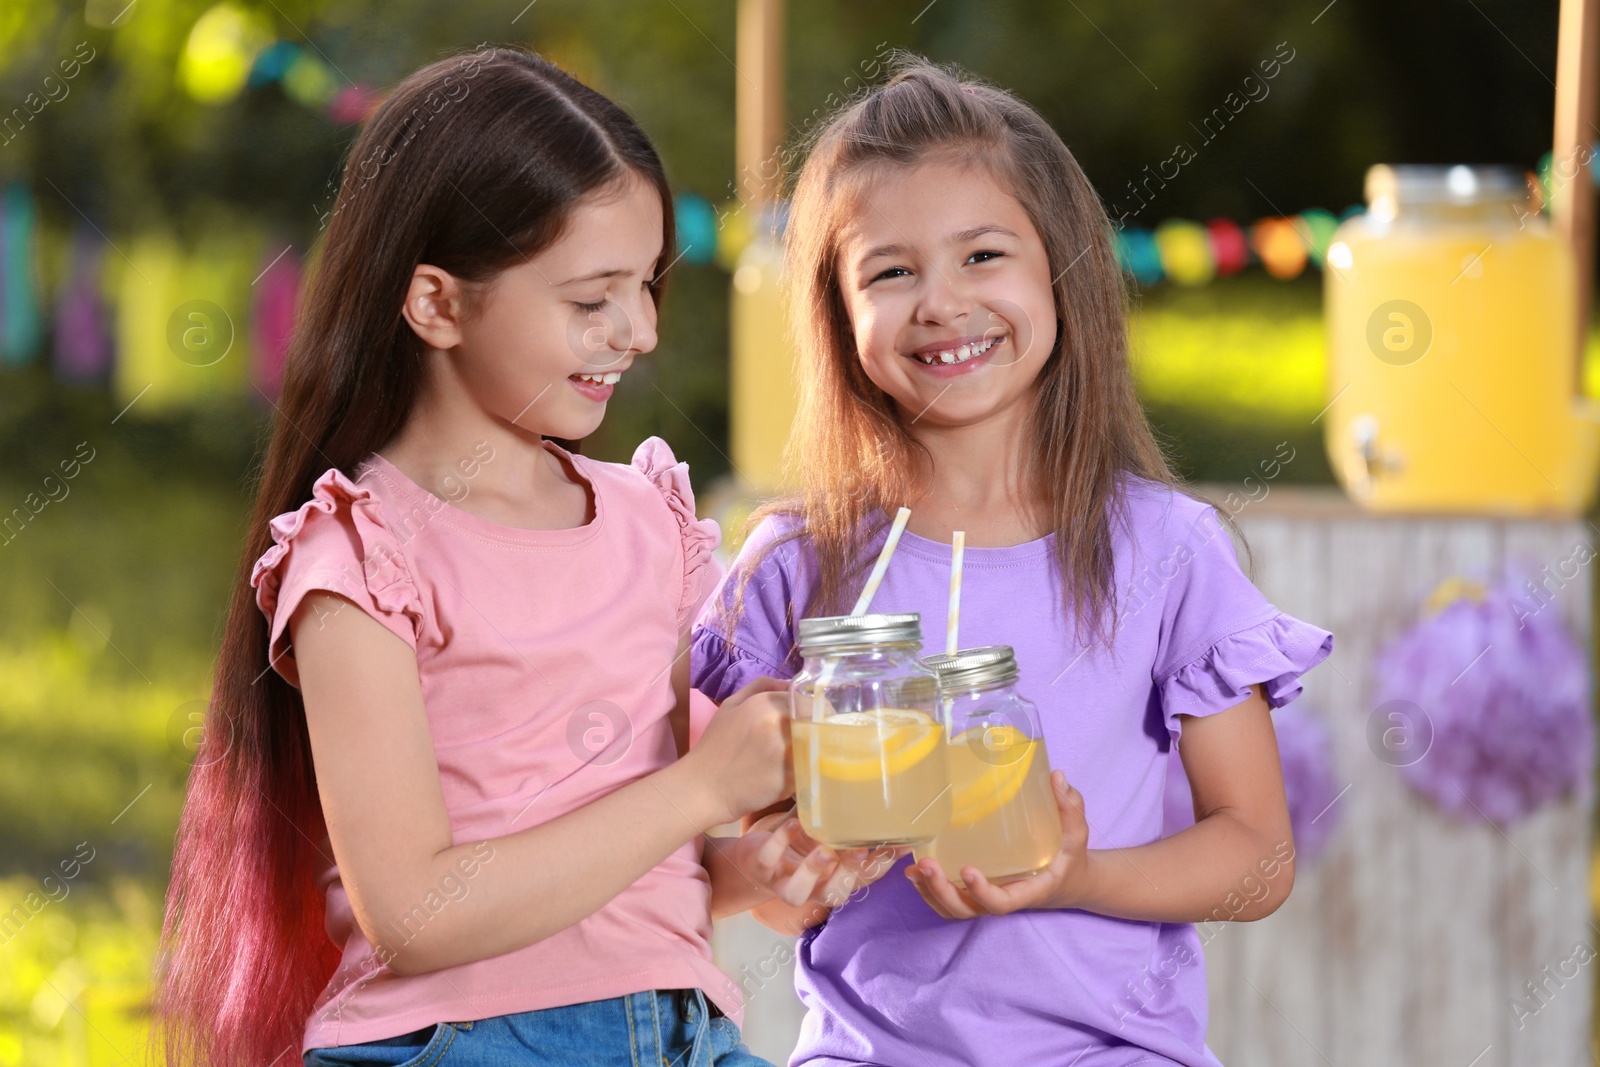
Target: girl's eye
x=892, y=272
x=984, y=256
x=589, y=308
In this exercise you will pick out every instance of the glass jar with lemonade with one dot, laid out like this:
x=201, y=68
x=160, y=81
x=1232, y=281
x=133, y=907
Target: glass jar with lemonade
x=868, y=740
x=1003, y=818
x=1452, y=350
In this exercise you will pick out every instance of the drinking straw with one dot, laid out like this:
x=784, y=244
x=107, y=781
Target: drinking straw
x=876, y=577
x=865, y=600
x=953, y=623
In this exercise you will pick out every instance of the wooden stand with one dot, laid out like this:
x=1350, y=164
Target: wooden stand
x=1572, y=155
x=1411, y=939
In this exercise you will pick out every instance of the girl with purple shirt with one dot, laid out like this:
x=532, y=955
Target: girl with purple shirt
x=963, y=351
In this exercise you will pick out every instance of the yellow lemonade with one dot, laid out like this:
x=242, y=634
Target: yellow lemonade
x=1451, y=361
x=874, y=777
x=1003, y=817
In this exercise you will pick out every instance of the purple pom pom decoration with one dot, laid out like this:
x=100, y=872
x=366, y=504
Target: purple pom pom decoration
x=1496, y=692
x=1310, y=784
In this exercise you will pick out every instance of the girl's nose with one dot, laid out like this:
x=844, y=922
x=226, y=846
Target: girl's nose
x=942, y=302
x=634, y=329
x=643, y=322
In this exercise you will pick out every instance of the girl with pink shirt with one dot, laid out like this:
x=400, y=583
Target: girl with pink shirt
x=440, y=814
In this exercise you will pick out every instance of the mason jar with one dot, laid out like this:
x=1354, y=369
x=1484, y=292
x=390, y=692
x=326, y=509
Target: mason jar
x=868, y=740
x=1003, y=817
x=1453, y=351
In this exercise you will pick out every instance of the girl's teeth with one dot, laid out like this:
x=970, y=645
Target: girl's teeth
x=959, y=355
x=610, y=378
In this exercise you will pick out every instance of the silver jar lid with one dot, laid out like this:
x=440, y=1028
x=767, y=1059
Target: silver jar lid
x=975, y=668
x=834, y=634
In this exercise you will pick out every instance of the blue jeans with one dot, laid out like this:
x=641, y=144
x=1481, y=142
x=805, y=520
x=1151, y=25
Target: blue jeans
x=675, y=1027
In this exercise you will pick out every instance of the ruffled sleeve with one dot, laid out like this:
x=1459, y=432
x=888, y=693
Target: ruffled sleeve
x=337, y=542
x=747, y=627
x=719, y=668
x=700, y=537
x=1272, y=654
x=1220, y=635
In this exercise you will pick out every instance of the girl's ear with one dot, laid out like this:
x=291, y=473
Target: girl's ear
x=434, y=307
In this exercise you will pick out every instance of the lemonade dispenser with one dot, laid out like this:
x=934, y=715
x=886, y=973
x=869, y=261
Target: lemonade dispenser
x=1003, y=818
x=1451, y=350
x=868, y=740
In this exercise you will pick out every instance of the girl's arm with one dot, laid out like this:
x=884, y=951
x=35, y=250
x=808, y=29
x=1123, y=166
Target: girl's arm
x=1235, y=863
x=391, y=836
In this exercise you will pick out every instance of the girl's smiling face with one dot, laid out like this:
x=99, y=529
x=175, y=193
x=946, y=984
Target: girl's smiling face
x=948, y=288
x=546, y=340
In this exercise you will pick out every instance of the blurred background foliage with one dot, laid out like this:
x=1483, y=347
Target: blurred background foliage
x=130, y=150
x=113, y=597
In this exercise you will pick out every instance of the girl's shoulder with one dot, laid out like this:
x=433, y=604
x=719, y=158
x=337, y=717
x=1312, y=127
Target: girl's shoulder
x=653, y=485
x=1153, y=514
x=1156, y=501
x=652, y=479
x=654, y=482
x=348, y=523
x=775, y=530
x=345, y=539
x=776, y=553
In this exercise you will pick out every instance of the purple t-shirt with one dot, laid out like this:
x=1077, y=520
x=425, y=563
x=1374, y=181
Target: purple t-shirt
x=885, y=980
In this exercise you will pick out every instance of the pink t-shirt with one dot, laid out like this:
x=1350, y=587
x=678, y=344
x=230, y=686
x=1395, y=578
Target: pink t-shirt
x=544, y=661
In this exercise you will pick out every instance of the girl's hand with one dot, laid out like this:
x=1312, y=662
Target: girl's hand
x=777, y=854
x=745, y=750
x=1059, y=885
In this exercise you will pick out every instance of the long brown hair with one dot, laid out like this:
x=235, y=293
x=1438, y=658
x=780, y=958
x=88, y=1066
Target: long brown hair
x=473, y=164
x=849, y=453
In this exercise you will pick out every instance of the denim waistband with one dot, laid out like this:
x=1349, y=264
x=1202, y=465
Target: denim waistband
x=656, y=1028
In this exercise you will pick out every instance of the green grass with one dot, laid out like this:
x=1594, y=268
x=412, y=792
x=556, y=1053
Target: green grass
x=1241, y=353
x=88, y=768
x=113, y=596
x=1227, y=371
x=85, y=755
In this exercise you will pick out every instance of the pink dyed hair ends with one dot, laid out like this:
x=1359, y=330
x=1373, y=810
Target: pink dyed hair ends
x=246, y=953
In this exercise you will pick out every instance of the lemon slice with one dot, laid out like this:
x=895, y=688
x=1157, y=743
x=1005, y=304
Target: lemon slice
x=987, y=770
x=859, y=746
